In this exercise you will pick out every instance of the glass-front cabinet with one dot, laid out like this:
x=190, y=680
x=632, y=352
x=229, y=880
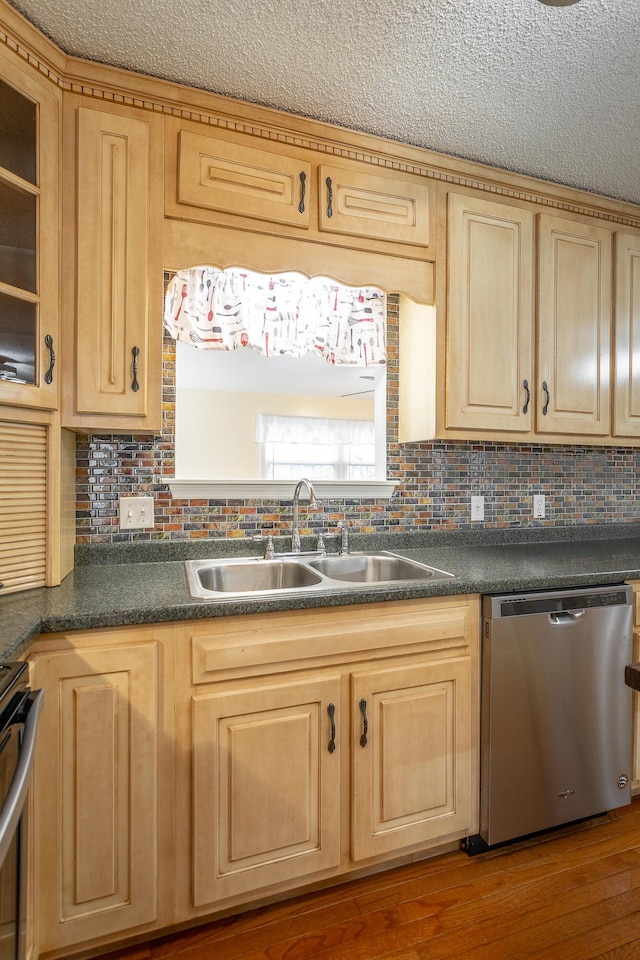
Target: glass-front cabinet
x=29, y=236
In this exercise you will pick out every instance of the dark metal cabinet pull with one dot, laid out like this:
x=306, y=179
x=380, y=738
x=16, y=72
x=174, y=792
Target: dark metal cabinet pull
x=135, y=352
x=48, y=341
x=303, y=190
x=547, y=396
x=331, y=710
x=525, y=385
x=329, y=197
x=365, y=723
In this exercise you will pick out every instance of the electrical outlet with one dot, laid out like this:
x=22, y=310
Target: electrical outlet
x=136, y=513
x=477, y=508
x=538, y=506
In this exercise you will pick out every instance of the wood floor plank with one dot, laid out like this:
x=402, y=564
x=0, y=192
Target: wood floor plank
x=573, y=895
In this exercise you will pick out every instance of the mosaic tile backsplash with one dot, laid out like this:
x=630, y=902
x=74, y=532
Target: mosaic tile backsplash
x=435, y=483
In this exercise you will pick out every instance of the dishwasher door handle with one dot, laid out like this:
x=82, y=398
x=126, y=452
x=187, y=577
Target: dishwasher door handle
x=566, y=616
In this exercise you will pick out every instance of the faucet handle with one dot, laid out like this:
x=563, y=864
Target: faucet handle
x=269, y=550
x=343, y=527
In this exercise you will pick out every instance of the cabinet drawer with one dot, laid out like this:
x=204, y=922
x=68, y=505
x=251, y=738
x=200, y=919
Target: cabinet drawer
x=236, y=178
x=255, y=645
x=377, y=207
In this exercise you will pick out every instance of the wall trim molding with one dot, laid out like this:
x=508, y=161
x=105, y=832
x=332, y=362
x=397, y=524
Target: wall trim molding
x=278, y=489
x=345, y=152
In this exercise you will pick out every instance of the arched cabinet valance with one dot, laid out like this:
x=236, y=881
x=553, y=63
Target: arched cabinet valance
x=188, y=243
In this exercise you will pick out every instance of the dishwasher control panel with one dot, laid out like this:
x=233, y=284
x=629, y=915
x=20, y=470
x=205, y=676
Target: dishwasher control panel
x=518, y=605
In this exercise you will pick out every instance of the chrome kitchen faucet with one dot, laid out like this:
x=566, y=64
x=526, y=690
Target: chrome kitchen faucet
x=313, y=503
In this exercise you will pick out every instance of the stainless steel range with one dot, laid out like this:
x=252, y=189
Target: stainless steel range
x=19, y=711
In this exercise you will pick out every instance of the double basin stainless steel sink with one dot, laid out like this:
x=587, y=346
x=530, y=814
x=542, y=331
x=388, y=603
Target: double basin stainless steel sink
x=246, y=577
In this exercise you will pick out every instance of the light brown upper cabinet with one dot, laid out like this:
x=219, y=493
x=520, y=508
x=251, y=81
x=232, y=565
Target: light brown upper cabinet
x=29, y=231
x=238, y=177
x=383, y=207
x=519, y=366
x=284, y=187
x=490, y=315
x=113, y=266
x=626, y=406
x=574, y=328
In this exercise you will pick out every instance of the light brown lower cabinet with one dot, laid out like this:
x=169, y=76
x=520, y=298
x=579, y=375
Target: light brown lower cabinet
x=411, y=780
x=96, y=783
x=324, y=742
x=265, y=786
x=189, y=768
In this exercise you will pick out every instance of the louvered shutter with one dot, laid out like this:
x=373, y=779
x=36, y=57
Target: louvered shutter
x=23, y=499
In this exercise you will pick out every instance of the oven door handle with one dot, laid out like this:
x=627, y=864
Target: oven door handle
x=17, y=792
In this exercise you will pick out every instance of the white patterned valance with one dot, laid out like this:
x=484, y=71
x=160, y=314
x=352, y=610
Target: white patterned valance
x=286, y=314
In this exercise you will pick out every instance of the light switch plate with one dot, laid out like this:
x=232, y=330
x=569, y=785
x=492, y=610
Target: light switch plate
x=136, y=513
x=477, y=508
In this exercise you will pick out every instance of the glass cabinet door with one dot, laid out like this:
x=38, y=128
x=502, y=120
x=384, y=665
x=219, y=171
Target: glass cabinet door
x=29, y=165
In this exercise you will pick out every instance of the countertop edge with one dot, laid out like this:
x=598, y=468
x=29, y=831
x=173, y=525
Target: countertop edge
x=114, y=595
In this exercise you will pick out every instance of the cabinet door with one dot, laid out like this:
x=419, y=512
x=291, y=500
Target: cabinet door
x=29, y=230
x=356, y=203
x=626, y=404
x=412, y=772
x=490, y=315
x=572, y=392
x=95, y=799
x=241, y=178
x=118, y=311
x=266, y=786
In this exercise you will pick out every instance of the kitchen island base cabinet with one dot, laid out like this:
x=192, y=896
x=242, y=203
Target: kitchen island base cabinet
x=95, y=796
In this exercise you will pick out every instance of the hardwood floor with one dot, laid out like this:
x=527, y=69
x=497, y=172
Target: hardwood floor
x=574, y=895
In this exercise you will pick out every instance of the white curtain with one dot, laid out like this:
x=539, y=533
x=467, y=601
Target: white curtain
x=317, y=430
x=283, y=314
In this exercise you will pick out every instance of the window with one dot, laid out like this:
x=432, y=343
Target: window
x=325, y=449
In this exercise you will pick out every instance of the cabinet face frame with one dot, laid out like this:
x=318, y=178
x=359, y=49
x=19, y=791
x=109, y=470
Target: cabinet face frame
x=46, y=192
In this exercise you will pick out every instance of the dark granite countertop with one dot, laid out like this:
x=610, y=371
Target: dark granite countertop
x=115, y=585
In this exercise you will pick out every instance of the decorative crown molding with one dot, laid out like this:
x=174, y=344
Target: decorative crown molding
x=215, y=118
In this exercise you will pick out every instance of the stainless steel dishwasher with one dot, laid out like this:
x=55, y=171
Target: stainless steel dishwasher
x=555, y=710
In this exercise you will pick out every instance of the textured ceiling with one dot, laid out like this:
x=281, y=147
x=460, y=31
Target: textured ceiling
x=549, y=91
